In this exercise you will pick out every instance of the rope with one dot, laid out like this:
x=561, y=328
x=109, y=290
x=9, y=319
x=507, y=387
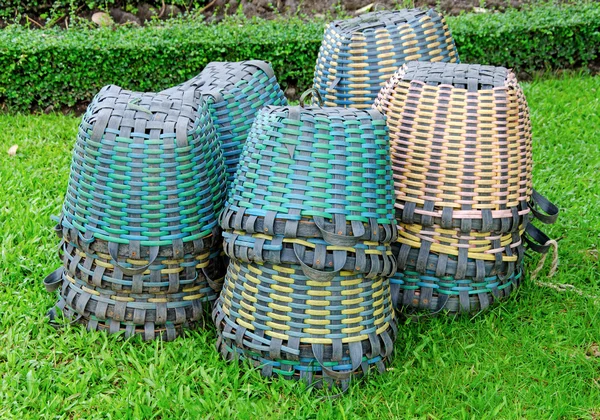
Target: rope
x=554, y=266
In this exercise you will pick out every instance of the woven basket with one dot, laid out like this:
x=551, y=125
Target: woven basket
x=147, y=173
x=412, y=290
x=299, y=328
x=164, y=275
x=371, y=258
x=146, y=314
x=359, y=55
x=235, y=92
x=139, y=231
x=460, y=146
x=461, y=155
x=312, y=172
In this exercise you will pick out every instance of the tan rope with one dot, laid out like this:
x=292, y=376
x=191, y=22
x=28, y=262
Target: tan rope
x=554, y=266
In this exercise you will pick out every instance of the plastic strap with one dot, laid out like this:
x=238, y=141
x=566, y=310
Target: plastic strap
x=113, y=250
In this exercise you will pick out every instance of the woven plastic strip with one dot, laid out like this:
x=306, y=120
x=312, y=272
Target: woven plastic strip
x=147, y=174
x=150, y=315
x=359, y=55
x=505, y=251
x=235, y=92
x=165, y=275
x=412, y=290
x=370, y=258
x=328, y=167
x=300, y=328
x=460, y=144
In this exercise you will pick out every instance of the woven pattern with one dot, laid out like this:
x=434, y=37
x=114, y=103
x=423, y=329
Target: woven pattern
x=461, y=154
x=359, y=55
x=313, y=177
x=235, y=92
x=139, y=231
x=147, y=171
x=308, y=226
x=460, y=145
x=295, y=327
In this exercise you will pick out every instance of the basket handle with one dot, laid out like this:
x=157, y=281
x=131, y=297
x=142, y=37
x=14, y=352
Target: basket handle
x=550, y=211
x=315, y=274
x=336, y=238
x=54, y=279
x=113, y=250
x=315, y=96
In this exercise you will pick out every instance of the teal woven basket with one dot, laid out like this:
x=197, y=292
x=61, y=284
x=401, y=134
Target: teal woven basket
x=310, y=177
x=235, y=92
x=291, y=326
x=140, y=240
x=359, y=55
x=146, y=175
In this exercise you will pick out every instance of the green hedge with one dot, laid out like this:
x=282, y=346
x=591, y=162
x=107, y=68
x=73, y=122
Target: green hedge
x=39, y=68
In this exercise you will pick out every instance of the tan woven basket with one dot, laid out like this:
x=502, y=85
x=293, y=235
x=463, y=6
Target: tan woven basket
x=460, y=145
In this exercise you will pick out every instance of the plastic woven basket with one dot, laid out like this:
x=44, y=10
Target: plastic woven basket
x=461, y=155
x=147, y=175
x=371, y=258
x=235, y=92
x=312, y=172
x=164, y=275
x=298, y=328
x=460, y=144
x=150, y=315
x=359, y=55
x=138, y=227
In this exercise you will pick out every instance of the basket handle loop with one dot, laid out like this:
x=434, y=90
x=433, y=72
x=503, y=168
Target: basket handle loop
x=313, y=273
x=113, y=250
x=335, y=238
x=549, y=211
x=316, y=96
x=54, y=280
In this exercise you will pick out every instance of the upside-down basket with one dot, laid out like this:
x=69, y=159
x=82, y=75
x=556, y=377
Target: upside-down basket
x=359, y=55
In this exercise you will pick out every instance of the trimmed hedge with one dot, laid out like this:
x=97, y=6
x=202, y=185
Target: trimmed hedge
x=63, y=68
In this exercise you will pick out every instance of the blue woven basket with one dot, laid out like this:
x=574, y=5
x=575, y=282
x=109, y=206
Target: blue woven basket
x=235, y=92
x=359, y=55
x=146, y=176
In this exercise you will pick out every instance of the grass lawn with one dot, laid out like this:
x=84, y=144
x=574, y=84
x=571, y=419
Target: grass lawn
x=535, y=356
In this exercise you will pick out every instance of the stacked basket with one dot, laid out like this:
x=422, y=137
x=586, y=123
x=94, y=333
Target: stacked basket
x=308, y=226
x=139, y=222
x=235, y=92
x=358, y=56
x=461, y=154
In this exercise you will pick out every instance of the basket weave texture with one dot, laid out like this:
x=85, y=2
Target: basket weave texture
x=357, y=56
x=140, y=239
x=308, y=225
x=313, y=180
x=461, y=154
x=235, y=92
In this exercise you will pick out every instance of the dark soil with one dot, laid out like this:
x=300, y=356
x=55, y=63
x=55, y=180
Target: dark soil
x=214, y=10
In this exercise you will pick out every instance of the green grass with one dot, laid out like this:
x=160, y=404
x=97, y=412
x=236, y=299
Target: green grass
x=527, y=358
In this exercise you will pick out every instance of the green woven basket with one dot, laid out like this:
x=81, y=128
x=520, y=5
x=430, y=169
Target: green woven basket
x=235, y=92
x=146, y=176
x=294, y=327
x=359, y=55
x=313, y=177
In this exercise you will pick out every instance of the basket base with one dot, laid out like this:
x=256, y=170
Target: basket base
x=426, y=293
x=316, y=365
